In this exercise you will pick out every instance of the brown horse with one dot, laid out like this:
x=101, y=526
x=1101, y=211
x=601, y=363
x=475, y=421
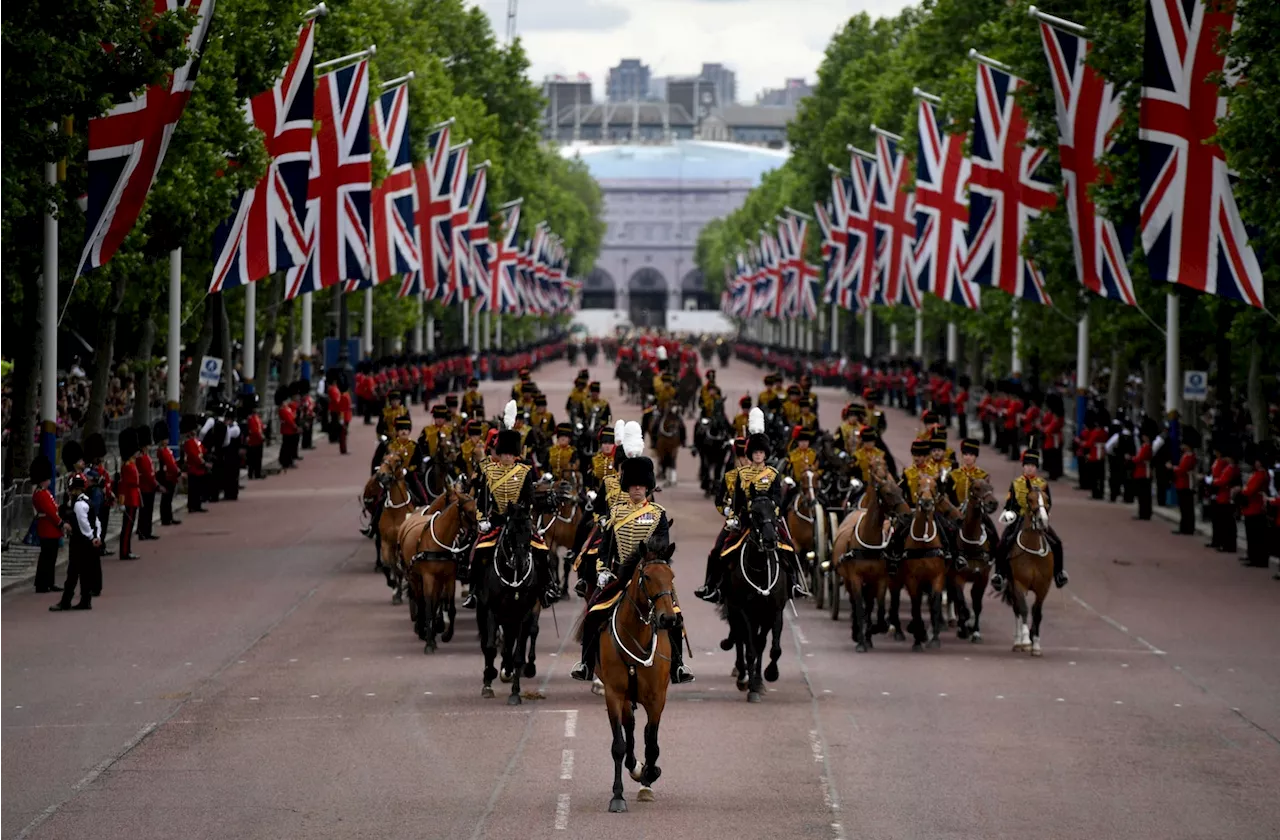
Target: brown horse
x=800, y=517
x=975, y=546
x=859, y=551
x=399, y=503
x=923, y=570
x=439, y=470
x=432, y=541
x=668, y=435
x=1031, y=565
x=635, y=667
x=557, y=523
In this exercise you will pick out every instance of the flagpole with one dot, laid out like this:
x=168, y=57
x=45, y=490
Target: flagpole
x=173, y=384
x=952, y=343
x=868, y=332
x=305, y=366
x=49, y=361
x=497, y=333
x=1082, y=368
x=835, y=328
x=893, y=341
x=366, y=329
x=431, y=332
x=348, y=59
x=919, y=336
x=250, y=336
x=1172, y=354
x=1015, y=363
x=417, y=327
x=466, y=323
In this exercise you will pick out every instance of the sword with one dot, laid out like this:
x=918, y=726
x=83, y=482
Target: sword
x=555, y=620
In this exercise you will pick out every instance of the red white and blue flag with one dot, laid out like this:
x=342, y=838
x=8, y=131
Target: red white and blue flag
x=1007, y=189
x=395, y=247
x=128, y=144
x=434, y=215
x=894, y=214
x=267, y=232
x=338, y=194
x=1191, y=226
x=504, y=296
x=459, y=188
x=836, y=244
x=479, y=246
x=803, y=275
x=942, y=212
x=865, y=240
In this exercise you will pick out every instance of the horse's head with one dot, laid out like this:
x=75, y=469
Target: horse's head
x=763, y=516
x=466, y=504
x=655, y=584
x=1036, y=516
x=981, y=493
x=390, y=470
x=927, y=500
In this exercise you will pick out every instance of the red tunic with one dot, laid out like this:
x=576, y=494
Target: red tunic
x=288, y=420
x=1255, y=494
x=253, y=435
x=1012, y=410
x=1182, y=472
x=1224, y=477
x=1030, y=419
x=1051, y=426
x=193, y=457
x=130, y=492
x=169, y=465
x=1142, y=462
x=48, y=522
x=147, y=473
x=344, y=407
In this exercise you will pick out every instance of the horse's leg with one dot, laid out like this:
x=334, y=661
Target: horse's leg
x=1021, y=639
x=775, y=649
x=979, y=589
x=740, y=631
x=450, y=608
x=427, y=619
x=956, y=596
x=755, y=685
x=882, y=623
x=895, y=619
x=1037, y=613
x=629, y=727
x=513, y=642
x=918, y=634
x=617, y=709
x=531, y=658
x=857, y=600
x=937, y=615
x=392, y=568
x=488, y=644
x=650, y=771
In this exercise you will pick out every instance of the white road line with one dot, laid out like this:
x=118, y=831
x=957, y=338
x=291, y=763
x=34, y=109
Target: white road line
x=1117, y=625
x=817, y=741
x=562, y=812
x=570, y=721
x=566, y=765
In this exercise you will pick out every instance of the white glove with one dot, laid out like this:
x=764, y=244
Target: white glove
x=789, y=481
x=591, y=495
x=731, y=524
x=855, y=484
x=485, y=525
x=1008, y=516
x=546, y=476
x=604, y=579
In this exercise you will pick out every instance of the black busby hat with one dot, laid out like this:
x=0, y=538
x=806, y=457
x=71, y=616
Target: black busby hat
x=668, y=378
x=805, y=402
x=964, y=381
x=405, y=422
x=473, y=383
x=868, y=435
x=143, y=436
x=606, y=435
x=440, y=412
x=564, y=429
x=77, y=481
x=281, y=396
x=793, y=390
x=451, y=400
x=539, y=400
x=524, y=373
x=508, y=442
x=95, y=447
x=637, y=471
x=159, y=431
x=928, y=418
x=1148, y=428
x=758, y=442
x=594, y=387
x=745, y=402
x=41, y=470
x=969, y=446
x=394, y=394
x=938, y=440
x=302, y=387
x=920, y=446
x=583, y=373
x=128, y=443
x=475, y=426
x=804, y=434
x=1053, y=402
x=1032, y=457
x=711, y=373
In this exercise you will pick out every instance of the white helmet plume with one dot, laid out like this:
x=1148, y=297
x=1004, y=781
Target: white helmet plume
x=662, y=353
x=619, y=428
x=632, y=440
x=755, y=422
x=509, y=415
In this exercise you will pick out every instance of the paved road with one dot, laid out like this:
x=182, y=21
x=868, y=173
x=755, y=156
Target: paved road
x=249, y=678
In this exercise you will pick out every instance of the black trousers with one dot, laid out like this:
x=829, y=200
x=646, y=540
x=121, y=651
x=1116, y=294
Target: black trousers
x=306, y=435
x=229, y=476
x=964, y=424
x=84, y=568
x=166, y=503
x=1187, y=509
x=1224, y=527
x=288, y=449
x=253, y=460
x=126, y=530
x=1098, y=485
x=1142, y=489
x=986, y=432
x=1255, y=534
x=1162, y=485
x=146, y=515
x=47, y=560
x=195, y=492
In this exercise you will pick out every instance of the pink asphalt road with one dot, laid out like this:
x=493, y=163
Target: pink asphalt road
x=249, y=678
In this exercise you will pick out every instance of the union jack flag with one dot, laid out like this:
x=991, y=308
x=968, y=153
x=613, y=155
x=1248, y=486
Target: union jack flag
x=338, y=201
x=803, y=275
x=460, y=182
x=894, y=213
x=865, y=240
x=128, y=144
x=942, y=212
x=1006, y=190
x=395, y=248
x=1191, y=226
x=834, y=221
x=529, y=298
x=504, y=296
x=267, y=232
x=434, y=215
x=479, y=247
x=1088, y=118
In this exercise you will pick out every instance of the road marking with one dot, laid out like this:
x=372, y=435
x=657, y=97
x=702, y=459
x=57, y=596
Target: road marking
x=370, y=694
x=253, y=698
x=817, y=741
x=315, y=697
x=815, y=746
x=570, y=721
x=566, y=764
x=941, y=694
x=1117, y=625
x=1062, y=699
x=562, y=812
x=999, y=696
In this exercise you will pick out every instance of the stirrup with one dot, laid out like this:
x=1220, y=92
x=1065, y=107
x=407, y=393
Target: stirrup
x=1060, y=579
x=581, y=672
x=997, y=583
x=681, y=675
x=960, y=563
x=469, y=602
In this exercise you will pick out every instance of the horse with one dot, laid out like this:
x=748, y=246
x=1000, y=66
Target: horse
x=711, y=442
x=432, y=541
x=558, y=516
x=588, y=429
x=975, y=546
x=437, y=470
x=369, y=497
x=801, y=521
x=1031, y=570
x=923, y=570
x=635, y=667
x=687, y=389
x=668, y=435
x=391, y=478
x=506, y=600
x=755, y=596
x=859, y=547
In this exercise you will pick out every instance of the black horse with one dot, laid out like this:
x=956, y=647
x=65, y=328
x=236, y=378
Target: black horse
x=755, y=596
x=711, y=442
x=506, y=601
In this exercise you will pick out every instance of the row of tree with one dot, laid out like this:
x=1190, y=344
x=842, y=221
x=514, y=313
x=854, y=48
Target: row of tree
x=58, y=76
x=866, y=78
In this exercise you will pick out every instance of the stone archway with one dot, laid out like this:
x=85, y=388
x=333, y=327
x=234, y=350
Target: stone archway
x=599, y=290
x=647, y=290
x=693, y=287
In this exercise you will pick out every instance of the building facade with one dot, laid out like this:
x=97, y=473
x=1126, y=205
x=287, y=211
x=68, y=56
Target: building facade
x=563, y=92
x=789, y=95
x=724, y=80
x=627, y=82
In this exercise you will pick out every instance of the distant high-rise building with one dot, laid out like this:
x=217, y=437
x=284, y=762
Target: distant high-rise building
x=788, y=95
x=658, y=87
x=696, y=95
x=628, y=82
x=563, y=93
x=724, y=80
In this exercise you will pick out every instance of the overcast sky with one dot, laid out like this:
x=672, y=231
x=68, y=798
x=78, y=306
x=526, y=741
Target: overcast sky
x=763, y=41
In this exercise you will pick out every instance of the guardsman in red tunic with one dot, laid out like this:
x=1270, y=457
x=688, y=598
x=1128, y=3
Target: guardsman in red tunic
x=147, y=483
x=1051, y=435
x=168, y=474
x=1223, y=481
x=1182, y=481
x=254, y=435
x=1141, y=475
x=129, y=493
x=1253, y=507
x=49, y=526
x=194, y=462
x=960, y=404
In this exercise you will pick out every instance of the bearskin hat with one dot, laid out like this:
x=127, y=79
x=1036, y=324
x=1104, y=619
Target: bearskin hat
x=745, y=402
x=636, y=471
x=41, y=470
x=405, y=422
x=969, y=446
x=509, y=442
x=1053, y=402
x=919, y=447
x=128, y=443
x=281, y=396
x=159, y=431
x=594, y=388
x=564, y=429
x=143, y=436
x=1191, y=437
x=440, y=412
x=1032, y=457
x=95, y=448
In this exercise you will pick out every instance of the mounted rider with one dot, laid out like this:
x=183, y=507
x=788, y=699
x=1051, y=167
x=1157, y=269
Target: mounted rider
x=791, y=408
x=471, y=452
x=504, y=484
x=807, y=418
x=575, y=405
x=740, y=420
x=562, y=457
x=846, y=434
x=395, y=408
x=430, y=436
x=708, y=393
x=598, y=404
x=922, y=467
x=962, y=478
x=869, y=450
x=472, y=402
x=403, y=446
x=724, y=498
x=635, y=522
x=1015, y=505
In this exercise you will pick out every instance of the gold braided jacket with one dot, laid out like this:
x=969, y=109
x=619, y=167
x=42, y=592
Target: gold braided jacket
x=434, y=433
x=862, y=456
x=630, y=535
x=730, y=489
x=470, y=450
x=963, y=477
x=560, y=461
x=802, y=460
x=757, y=478
x=504, y=482
x=1018, y=492
x=601, y=465
x=389, y=416
x=403, y=448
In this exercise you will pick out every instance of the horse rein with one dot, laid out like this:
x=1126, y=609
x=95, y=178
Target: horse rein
x=645, y=619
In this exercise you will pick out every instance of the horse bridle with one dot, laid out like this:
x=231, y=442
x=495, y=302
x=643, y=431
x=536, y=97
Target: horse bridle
x=646, y=619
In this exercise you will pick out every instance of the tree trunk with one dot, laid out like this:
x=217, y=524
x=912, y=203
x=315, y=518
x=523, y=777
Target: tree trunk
x=142, y=379
x=975, y=355
x=104, y=356
x=228, y=384
x=1152, y=388
x=275, y=295
x=1257, y=399
x=1223, y=317
x=290, y=346
x=191, y=380
x=1119, y=373
x=24, y=379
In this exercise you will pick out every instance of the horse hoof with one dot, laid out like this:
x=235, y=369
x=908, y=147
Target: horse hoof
x=429, y=648
x=597, y=687
x=917, y=648
x=617, y=805
x=1036, y=651
x=952, y=624
x=487, y=692
x=396, y=600
x=899, y=636
x=645, y=795
x=976, y=637
x=504, y=675
x=771, y=672
x=962, y=633
x=1019, y=648
x=726, y=644
x=530, y=671
x=734, y=671
x=742, y=686
x=935, y=642
x=514, y=700
x=637, y=773
x=753, y=697
x=860, y=648
x=447, y=635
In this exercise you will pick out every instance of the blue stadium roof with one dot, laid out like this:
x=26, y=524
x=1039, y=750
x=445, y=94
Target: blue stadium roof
x=699, y=160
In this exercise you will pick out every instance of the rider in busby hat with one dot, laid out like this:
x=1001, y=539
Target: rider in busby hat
x=1015, y=506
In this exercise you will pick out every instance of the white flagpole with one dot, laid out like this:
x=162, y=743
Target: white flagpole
x=466, y=324
x=367, y=326
x=250, y=336
x=1172, y=355
x=417, y=328
x=1082, y=365
x=173, y=385
x=953, y=341
x=497, y=333
x=431, y=333
x=919, y=336
x=868, y=334
x=1015, y=363
x=893, y=341
x=835, y=328
x=306, y=338
x=49, y=360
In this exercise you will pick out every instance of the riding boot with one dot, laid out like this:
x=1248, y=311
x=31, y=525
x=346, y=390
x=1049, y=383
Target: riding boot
x=546, y=580
x=475, y=579
x=893, y=552
x=710, y=591
x=1000, y=558
x=372, y=527
x=679, y=673
x=946, y=530
x=585, y=670
x=799, y=580
x=1060, y=578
